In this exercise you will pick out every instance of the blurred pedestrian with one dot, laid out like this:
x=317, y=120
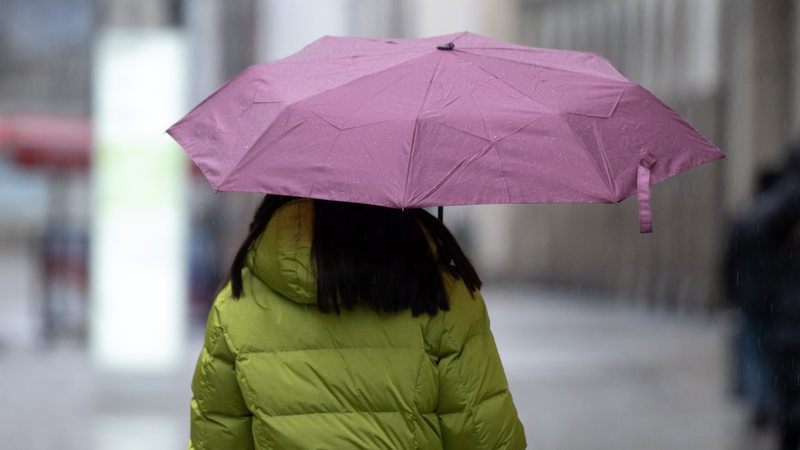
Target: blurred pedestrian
x=749, y=285
x=350, y=326
x=763, y=280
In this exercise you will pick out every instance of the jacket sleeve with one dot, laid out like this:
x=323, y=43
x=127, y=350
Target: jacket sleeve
x=475, y=406
x=220, y=420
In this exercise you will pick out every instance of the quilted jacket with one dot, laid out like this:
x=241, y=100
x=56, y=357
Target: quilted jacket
x=275, y=373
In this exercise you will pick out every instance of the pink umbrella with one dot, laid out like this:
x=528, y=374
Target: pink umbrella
x=449, y=120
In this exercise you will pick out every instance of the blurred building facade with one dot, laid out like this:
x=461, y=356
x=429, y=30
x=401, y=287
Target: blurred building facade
x=726, y=65
x=44, y=156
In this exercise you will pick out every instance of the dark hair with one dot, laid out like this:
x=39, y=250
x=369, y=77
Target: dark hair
x=389, y=259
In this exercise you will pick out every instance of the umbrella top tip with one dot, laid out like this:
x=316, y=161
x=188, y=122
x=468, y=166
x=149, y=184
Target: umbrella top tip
x=448, y=46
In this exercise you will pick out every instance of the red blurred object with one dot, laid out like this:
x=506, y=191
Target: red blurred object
x=47, y=141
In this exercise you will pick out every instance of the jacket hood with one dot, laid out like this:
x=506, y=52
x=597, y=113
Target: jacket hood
x=281, y=256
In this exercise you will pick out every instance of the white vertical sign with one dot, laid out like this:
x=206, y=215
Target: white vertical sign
x=139, y=229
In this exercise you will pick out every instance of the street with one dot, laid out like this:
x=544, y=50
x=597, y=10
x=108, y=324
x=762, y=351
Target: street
x=585, y=374
x=590, y=374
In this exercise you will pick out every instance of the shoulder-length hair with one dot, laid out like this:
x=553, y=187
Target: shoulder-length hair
x=388, y=259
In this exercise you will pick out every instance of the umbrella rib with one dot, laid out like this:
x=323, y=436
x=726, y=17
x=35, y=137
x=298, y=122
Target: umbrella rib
x=328, y=155
x=480, y=111
x=255, y=150
x=619, y=78
x=461, y=164
x=491, y=145
x=249, y=156
x=604, y=154
x=330, y=146
x=608, y=180
x=361, y=105
x=512, y=87
x=416, y=126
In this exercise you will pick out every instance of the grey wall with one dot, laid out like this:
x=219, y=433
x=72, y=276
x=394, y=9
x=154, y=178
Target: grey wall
x=726, y=65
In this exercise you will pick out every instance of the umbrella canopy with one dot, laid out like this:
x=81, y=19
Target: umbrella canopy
x=450, y=120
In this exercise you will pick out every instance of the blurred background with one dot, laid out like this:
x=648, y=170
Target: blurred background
x=112, y=244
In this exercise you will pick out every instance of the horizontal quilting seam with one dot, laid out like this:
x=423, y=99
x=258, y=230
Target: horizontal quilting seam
x=265, y=415
x=325, y=413
x=325, y=349
x=472, y=335
x=500, y=394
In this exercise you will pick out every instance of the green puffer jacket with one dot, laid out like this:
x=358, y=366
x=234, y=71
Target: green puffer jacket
x=275, y=373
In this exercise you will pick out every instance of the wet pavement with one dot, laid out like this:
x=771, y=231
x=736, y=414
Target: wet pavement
x=585, y=374
x=588, y=373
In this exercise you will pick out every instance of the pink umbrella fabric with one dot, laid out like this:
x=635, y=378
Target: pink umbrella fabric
x=450, y=120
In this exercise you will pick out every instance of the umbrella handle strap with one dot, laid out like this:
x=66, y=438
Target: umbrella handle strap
x=643, y=193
